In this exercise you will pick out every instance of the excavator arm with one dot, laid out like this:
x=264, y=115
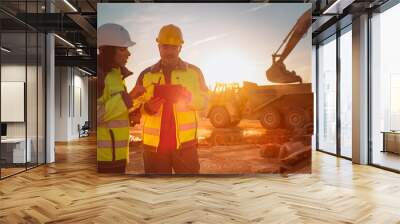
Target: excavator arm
x=278, y=73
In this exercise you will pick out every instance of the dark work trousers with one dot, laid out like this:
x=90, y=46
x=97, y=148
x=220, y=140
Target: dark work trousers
x=182, y=161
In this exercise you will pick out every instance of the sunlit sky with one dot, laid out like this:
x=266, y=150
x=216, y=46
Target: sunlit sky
x=228, y=42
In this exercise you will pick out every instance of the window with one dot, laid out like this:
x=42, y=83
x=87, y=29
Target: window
x=346, y=93
x=327, y=96
x=22, y=76
x=385, y=89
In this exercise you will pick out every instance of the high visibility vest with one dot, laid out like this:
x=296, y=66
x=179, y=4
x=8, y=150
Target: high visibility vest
x=186, y=117
x=112, y=125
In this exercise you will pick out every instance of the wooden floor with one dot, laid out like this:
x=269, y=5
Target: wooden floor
x=70, y=191
x=387, y=159
x=10, y=171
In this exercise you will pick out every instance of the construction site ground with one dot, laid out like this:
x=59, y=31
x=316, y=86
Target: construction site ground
x=235, y=150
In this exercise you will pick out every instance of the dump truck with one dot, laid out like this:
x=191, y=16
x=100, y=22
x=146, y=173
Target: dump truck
x=285, y=103
x=275, y=106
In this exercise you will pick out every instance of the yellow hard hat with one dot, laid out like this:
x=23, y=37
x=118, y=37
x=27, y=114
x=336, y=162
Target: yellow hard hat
x=170, y=34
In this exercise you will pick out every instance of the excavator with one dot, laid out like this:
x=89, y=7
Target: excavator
x=287, y=103
x=278, y=73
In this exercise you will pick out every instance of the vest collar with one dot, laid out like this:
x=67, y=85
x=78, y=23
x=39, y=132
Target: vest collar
x=123, y=71
x=180, y=66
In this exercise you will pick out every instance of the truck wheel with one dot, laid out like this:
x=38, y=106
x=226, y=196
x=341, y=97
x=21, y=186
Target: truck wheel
x=219, y=117
x=295, y=118
x=270, y=118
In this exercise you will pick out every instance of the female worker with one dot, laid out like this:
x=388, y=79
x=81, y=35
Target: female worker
x=114, y=103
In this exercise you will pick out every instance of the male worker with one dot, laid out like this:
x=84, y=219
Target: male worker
x=170, y=127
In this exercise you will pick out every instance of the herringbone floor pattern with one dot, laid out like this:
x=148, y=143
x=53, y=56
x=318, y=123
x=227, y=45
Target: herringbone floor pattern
x=70, y=191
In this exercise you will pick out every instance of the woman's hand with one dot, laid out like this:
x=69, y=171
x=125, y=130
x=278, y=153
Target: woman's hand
x=137, y=91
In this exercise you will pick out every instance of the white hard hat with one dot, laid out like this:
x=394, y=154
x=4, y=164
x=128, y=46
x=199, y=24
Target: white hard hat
x=112, y=34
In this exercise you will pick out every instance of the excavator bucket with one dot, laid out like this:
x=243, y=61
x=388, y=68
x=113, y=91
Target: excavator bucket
x=278, y=73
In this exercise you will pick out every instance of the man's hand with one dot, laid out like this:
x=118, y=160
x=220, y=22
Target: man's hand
x=137, y=91
x=153, y=105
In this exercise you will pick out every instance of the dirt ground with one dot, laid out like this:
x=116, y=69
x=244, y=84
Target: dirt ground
x=246, y=149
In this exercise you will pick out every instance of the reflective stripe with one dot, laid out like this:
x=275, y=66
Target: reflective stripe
x=188, y=126
x=151, y=131
x=118, y=124
x=114, y=124
x=102, y=125
x=108, y=144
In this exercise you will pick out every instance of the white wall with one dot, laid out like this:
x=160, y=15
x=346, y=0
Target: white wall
x=71, y=94
x=80, y=111
x=14, y=73
x=61, y=103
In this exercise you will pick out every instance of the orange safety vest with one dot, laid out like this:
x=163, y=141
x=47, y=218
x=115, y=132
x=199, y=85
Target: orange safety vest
x=186, y=117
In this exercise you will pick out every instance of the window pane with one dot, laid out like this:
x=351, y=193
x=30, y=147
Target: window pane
x=346, y=94
x=327, y=96
x=31, y=97
x=41, y=98
x=23, y=83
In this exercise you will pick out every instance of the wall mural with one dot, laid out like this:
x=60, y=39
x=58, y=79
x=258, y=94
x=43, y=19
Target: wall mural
x=204, y=88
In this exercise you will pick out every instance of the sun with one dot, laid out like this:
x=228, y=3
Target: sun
x=227, y=66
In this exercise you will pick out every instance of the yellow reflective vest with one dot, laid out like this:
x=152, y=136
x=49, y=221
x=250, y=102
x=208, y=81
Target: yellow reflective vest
x=186, y=117
x=112, y=125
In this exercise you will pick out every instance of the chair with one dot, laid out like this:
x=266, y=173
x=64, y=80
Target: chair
x=84, y=130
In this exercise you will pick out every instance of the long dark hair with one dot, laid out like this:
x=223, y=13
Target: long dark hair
x=105, y=63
